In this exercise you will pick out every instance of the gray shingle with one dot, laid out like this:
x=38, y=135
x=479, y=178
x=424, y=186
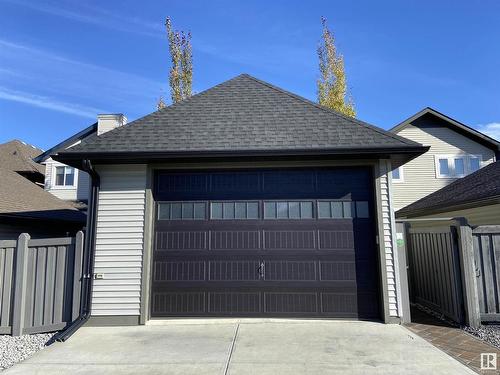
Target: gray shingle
x=21, y=197
x=18, y=156
x=242, y=114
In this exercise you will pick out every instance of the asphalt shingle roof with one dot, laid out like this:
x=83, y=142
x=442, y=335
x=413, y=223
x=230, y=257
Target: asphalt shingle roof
x=21, y=197
x=242, y=114
x=482, y=184
x=18, y=156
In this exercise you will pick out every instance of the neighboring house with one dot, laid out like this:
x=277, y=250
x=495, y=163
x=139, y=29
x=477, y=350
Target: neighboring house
x=70, y=183
x=475, y=197
x=18, y=156
x=26, y=207
x=456, y=150
x=243, y=200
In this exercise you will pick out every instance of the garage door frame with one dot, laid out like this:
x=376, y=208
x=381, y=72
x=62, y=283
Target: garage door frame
x=379, y=170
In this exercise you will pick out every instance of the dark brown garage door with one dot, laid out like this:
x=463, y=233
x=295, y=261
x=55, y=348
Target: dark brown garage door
x=295, y=242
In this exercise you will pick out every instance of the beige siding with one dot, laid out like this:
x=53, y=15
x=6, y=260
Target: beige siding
x=78, y=192
x=486, y=215
x=420, y=174
x=388, y=238
x=119, y=240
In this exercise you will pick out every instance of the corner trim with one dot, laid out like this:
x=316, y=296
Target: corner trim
x=381, y=248
x=148, y=247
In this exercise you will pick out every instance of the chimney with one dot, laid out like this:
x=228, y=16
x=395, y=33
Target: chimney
x=105, y=123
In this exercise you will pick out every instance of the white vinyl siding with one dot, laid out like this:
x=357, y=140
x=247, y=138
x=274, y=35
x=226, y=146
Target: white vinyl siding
x=80, y=189
x=119, y=240
x=388, y=222
x=420, y=173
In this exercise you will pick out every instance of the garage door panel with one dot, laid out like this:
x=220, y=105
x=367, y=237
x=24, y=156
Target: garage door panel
x=338, y=271
x=289, y=240
x=234, y=270
x=179, y=271
x=290, y=270
x=336, y=239
x=235, y=303
x=235, y=240
x=291, y=303
x=178, y=303
x=181, y=240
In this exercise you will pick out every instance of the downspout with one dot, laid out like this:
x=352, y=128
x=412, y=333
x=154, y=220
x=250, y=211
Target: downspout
x=88, y=257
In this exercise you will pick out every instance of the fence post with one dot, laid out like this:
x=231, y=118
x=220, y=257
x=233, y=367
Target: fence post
x=466, y=250
x=77, y=275
x=21, y=267
x=402, y=248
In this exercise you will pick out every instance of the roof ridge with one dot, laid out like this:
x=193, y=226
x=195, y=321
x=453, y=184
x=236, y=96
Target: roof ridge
x=171, y=106
x=353, y=120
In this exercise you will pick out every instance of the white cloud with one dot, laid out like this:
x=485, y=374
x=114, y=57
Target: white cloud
x=492, y=129
x=40, y=71
x=97, y=16
x=48, y=103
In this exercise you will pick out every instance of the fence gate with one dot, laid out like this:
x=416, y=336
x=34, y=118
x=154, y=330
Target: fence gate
x=434, y=269
x=39, y=283
x=487, y=260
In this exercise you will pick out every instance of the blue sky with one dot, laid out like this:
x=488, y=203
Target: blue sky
x=62, y=62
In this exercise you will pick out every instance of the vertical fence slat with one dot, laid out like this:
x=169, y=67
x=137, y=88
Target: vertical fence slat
x=20, y=284
x=48, y=305
x=41, y=265
x=60, y=272
x=6, y=275
x=488, y=275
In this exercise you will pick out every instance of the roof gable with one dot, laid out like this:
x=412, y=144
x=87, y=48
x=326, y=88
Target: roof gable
x=242, y=114
x=67, y=142
x=443, y=120
x=18, y=156
x=21, y=197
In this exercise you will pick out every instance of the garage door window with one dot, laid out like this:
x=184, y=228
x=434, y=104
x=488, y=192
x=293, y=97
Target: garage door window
x=342, y=210
x=234, y=210
x=182, y=211
x=288, y=210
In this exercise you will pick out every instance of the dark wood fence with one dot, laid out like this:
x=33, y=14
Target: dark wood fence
x=39, y=283
x=434, y=263
x=455, y=269
x=487, y=260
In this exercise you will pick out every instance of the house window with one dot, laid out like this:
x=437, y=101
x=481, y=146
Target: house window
x=459, y=165
x=397, y=174
x=474, y=164
x=65, y=176
x=454, y=166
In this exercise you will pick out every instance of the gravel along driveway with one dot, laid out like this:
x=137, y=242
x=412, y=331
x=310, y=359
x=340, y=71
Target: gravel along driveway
x=487, y=333
x=17, y=349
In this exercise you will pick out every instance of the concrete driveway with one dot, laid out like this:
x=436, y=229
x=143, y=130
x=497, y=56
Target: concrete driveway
x=243, y=347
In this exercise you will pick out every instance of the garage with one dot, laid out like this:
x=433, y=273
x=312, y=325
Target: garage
x=265, y=242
